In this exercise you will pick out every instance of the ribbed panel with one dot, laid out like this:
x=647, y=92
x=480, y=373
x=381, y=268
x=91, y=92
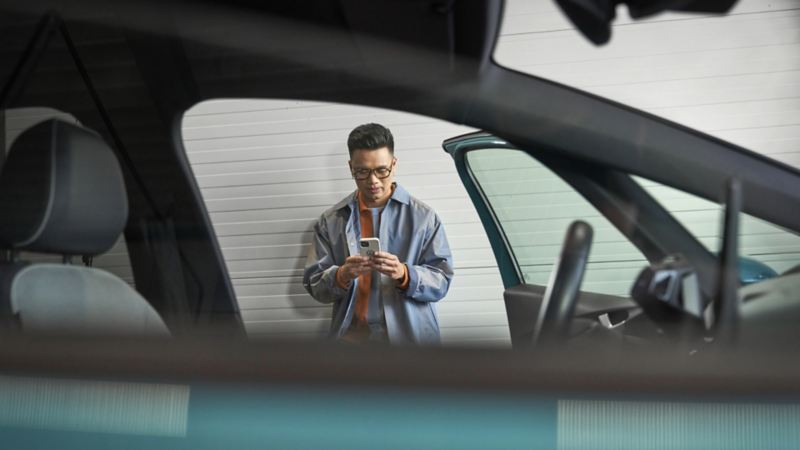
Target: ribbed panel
x=94, y=406
x=586, y=424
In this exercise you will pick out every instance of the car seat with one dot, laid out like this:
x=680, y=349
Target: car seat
x=62, y=192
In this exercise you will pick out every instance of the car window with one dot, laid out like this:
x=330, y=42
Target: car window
x=759, y=241
x=534, y=207
x=268, y=168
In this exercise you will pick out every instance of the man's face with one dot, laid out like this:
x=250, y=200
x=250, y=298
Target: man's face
x=367, y=167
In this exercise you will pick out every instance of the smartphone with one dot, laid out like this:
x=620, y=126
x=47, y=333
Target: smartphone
x=368, y=246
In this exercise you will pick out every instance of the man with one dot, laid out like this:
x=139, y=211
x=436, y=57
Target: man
x=390, y=296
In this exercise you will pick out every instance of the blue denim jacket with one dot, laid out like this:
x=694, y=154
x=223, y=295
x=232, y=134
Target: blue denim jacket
x=409, y=229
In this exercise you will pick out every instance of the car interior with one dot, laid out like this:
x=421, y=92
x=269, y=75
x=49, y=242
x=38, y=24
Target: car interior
x=679, y=271
x=62, y=192
x=175, y=261
x=128, y=73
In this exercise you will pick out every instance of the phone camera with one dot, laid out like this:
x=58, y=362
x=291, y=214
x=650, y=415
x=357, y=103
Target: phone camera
x=364, y=244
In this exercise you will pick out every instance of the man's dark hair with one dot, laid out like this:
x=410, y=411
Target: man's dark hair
x=370, y=136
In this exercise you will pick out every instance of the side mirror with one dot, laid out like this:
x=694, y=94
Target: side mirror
x=593, y=17
x=669, y=288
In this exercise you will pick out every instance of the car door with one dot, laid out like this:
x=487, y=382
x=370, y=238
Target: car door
x=525, y=209
x=526, y=199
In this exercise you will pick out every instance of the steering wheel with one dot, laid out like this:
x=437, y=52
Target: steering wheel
x=561, y=295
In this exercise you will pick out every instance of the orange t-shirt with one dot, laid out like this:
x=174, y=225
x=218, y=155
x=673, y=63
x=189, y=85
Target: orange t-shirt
x=359, y=328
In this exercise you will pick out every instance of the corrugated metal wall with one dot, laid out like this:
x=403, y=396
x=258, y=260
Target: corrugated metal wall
x=735, y=77
x=268, y=168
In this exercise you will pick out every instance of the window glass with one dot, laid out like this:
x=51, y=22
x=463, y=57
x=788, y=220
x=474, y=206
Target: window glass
x=759, y=240
x=535, y=207
x=267, y=169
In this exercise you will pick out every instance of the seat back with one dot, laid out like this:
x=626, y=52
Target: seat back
x=62, y=191
x=64, y=299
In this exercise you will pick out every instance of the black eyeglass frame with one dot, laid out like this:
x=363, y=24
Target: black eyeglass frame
x=369, y=172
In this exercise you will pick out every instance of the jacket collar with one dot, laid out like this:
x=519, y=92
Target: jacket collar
x=400, y=194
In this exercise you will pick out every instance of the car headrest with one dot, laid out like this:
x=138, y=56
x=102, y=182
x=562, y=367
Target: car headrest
x=61, y=191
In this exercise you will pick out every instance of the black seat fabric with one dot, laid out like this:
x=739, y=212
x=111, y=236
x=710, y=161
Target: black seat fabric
x=62, y=192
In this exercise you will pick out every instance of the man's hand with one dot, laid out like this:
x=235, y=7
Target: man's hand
x=353, y=267
x=388, y=264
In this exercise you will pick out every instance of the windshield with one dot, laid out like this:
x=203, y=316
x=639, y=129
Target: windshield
x=767, y=248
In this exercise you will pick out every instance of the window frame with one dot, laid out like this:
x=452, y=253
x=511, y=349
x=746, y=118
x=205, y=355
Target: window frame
x=654, y=231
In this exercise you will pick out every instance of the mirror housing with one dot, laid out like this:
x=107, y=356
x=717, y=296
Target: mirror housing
x=593, y=17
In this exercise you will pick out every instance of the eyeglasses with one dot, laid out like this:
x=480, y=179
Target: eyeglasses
x=380, y=172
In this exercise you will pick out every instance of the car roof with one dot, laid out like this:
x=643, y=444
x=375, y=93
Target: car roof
x=427, y=56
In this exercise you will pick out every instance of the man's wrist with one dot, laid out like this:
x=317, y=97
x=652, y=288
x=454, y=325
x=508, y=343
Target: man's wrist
x=341, y=281
x=402, y=282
